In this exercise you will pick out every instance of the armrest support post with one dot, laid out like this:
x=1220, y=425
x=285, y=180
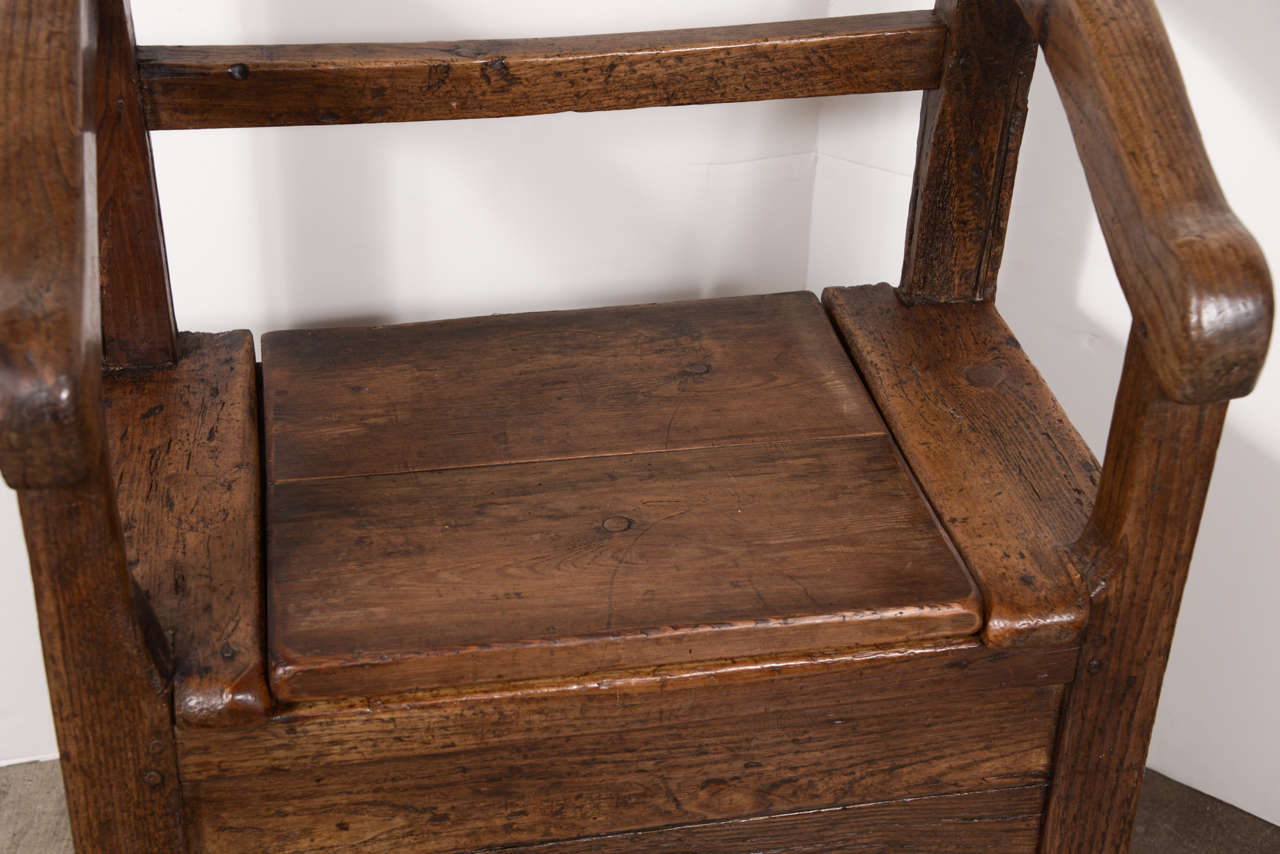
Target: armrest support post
x=1134, y=556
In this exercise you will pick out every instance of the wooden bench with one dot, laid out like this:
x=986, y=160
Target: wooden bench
x=756, y=574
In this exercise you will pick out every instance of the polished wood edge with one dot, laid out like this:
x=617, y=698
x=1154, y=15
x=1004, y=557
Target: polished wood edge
x=50, y=349
x=327, y=677
x=138, y=326
x=1047, y=666
x=243, y=86
x=1195, y=278
x=1031, y=589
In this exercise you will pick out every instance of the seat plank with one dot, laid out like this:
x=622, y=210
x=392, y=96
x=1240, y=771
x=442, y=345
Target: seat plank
x=184, y=452
x=557, y=385
x=268, y=85
x=1010, y=478
x=522, y=571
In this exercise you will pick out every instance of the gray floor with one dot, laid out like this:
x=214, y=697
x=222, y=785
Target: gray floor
x=1173, y=818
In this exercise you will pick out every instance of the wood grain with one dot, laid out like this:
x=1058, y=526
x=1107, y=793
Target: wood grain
x=1195, y=278
x=970, y=131
x=50, y=349
x=240, y=86
x=1135, y=556
x=512, y=572
x=111, y=705
x=184, y=448
x=137, y=309
x=1009, y=477
x=540, y=762
x=556, y=385
x=1004, y=820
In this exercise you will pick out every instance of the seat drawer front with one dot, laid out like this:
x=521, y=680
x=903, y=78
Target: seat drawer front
x=469, y=770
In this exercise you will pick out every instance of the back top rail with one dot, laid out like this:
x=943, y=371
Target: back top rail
x=278, y=85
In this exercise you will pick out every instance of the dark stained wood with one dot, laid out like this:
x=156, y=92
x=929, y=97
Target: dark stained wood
x=1195, y=278
x=111, y=706
x=970, y=130
x=557, y=385
x=49, y=344
x=546, y=761
x=137, y=309
x=1134, y=555
x=184, y=447
x=511, y=572
x=239, y=86
x=1004, y=820
x=1006, y=472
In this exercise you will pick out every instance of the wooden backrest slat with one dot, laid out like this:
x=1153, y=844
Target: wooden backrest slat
x=273, y=85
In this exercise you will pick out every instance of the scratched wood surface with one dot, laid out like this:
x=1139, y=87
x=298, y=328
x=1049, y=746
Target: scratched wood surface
x=465, y=768
x=1008, y=475
x=239, y=86
x=576, y=490
x=510, y=572
x=556, y=385
x=184, y=451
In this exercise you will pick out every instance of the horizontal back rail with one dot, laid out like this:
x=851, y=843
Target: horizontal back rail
x=274, y=85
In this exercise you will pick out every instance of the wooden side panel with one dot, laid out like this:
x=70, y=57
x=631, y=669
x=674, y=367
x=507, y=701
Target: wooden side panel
x=239, y=86
x=971, y=129
x=997, y=820
x=1007, y=474
x=567, y=567
x=137, y=309
x=543, y=762
x=184, y=447
x=556, y=385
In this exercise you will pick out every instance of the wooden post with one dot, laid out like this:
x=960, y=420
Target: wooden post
x=970, y=132
x=137, y=309
x=110, y=702
x=1134, y=557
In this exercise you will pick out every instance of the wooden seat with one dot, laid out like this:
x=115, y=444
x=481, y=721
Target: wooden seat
x=755, y=574
x=654, y=484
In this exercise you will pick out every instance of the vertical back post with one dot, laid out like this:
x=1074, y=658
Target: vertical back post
x=970, y=131
x=137, y=308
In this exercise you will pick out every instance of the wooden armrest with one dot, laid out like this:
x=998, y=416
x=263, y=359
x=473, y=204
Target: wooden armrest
x=50, y=357
x=1196, y=280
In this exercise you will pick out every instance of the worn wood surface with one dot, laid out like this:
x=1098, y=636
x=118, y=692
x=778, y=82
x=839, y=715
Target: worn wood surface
x=970, y=131
x=50, y=350
x=238, y=86
x=1195, y=278
x=184, y=450
x=1007, y=474
x=511, y=572
x=137, y=309
x=1134, y=556
x=110, y=704
x=556, y=385
x=1004, y=820
x=464, y=768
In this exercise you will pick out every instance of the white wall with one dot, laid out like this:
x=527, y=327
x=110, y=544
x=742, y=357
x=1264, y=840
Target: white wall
x=290, y=227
